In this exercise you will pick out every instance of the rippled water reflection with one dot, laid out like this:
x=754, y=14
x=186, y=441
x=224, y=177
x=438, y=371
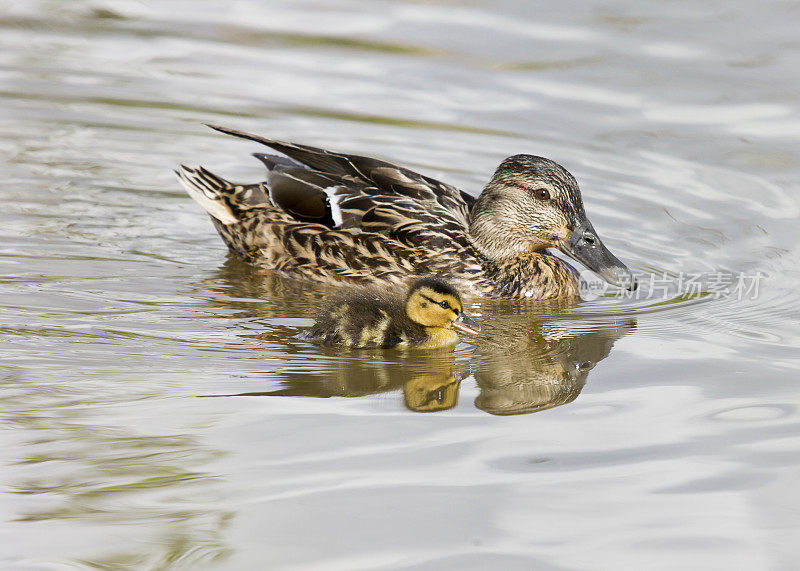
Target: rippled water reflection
x=160, y=411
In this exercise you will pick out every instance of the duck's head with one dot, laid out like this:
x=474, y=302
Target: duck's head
x=432, y=302
x=533, y=203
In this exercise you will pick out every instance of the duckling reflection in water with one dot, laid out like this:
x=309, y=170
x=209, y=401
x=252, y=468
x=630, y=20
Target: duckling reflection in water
x=431, y=392
x=369, y=318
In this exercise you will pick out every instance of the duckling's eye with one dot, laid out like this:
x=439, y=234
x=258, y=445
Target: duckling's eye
x=444, y=305
x=543, y=194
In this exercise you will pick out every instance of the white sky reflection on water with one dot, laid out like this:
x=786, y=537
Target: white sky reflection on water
x=621, y=433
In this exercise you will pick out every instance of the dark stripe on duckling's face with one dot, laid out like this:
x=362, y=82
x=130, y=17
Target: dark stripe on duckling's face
x=431, y=308
x=462, y=321
x=444, y=304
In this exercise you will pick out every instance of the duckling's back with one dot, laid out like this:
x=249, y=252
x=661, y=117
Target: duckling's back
x=365, y=318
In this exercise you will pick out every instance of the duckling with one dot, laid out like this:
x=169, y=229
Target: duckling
x=332, y=217
x=364, y=318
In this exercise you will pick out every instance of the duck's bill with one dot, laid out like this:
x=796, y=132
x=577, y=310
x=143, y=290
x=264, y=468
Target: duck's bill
x=466, y=324
x=585, y=246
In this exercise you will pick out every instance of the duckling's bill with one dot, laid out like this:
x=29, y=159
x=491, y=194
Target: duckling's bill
x=466, y=324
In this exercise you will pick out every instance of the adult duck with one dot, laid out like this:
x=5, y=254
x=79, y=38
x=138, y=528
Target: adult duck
x=333, y=217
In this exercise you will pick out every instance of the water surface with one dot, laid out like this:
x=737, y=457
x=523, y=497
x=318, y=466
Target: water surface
x=159, y=410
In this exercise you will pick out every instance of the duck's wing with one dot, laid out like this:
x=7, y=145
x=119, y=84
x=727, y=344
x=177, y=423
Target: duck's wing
x=266, y=235
x=353, y=185
x=332, y=217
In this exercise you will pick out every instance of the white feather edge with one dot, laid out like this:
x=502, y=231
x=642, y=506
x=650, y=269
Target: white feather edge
x=333, y=200
x=211, y=205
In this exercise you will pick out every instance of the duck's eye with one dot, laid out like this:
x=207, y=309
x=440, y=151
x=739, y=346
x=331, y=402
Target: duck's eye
x=543, y=194
x=444, y=305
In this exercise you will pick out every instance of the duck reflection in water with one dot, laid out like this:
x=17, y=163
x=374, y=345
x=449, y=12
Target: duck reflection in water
x=544, y=362
x=430, y=379
x=532, y=356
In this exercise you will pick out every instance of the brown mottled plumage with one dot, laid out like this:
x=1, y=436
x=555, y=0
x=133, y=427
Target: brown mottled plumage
x=332, y=217
x=370, y=317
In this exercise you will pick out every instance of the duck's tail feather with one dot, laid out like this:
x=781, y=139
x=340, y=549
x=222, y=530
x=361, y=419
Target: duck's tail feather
x=314, y=157
x=207, y=190
x=223, y=200
x=291, y=150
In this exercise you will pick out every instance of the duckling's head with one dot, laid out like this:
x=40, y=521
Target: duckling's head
x=432, y=302
x=532, y=203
